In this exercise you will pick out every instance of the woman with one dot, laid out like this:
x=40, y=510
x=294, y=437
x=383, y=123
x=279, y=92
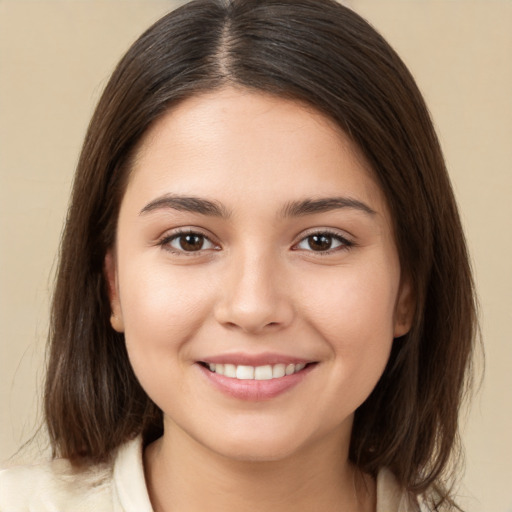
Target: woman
x=263, y=278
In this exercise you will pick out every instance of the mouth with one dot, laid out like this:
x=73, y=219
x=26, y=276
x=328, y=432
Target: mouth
x=255, y=377
x=259, y=373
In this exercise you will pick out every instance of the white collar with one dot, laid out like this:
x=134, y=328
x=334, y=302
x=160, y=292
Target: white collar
x=129, y=482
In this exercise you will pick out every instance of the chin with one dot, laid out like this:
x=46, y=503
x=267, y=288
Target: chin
x=259, y=442
x=257, y=450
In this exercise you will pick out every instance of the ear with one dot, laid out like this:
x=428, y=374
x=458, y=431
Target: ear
x=404, y=309
x=110, y=269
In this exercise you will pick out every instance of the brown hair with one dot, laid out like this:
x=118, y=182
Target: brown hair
x=321, y=53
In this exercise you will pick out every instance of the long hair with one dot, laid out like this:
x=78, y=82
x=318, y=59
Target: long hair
x=323, y=54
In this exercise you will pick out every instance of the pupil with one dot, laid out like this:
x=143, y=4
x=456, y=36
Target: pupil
x=191, y=242
x=320, y=242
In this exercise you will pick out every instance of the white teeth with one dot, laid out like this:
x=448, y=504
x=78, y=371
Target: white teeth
x=290, y=369
x=263, y=372
x=266, y=372
x=278, y=370
x=230, y=370
x=245, y=372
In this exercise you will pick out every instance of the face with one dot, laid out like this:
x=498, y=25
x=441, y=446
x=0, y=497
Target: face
x=255, y=275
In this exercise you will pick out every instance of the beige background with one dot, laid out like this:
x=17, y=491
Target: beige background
x=55, y=58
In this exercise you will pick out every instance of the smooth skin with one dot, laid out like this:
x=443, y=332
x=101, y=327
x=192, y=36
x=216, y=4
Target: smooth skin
x=264, y=267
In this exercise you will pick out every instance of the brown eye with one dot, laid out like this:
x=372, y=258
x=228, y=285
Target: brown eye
x=191, y=242
x=323, y=242
x=188, y=242
x=320, y=242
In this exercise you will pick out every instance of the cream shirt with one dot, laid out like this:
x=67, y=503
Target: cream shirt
x=118, y=487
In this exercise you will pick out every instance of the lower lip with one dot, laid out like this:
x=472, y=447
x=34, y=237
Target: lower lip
x=255, y=390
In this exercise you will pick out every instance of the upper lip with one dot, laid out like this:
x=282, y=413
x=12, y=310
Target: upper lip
x=254, y=359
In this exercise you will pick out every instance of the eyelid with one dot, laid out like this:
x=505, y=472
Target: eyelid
x=168, y=236
x=346, y=241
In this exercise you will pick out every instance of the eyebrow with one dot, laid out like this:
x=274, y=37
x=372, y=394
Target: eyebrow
x=291, y=209
x=187, y=204
x=312, y=206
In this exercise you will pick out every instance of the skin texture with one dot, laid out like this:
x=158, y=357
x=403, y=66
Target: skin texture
x=255, y=287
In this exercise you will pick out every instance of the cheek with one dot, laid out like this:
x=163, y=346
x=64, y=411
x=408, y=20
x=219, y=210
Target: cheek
x=354, y=314
x=353, y=303
x=162, y=306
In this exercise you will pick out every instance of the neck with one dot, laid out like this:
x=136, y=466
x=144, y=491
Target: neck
x=183, y=475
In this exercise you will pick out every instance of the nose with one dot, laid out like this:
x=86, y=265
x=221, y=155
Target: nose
x=254, y=297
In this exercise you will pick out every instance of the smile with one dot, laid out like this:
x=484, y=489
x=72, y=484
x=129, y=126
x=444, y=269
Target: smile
x=265, y=372
x=255, y=383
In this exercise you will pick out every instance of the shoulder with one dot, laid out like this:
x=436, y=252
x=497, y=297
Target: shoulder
x=55, y=485
x=392, y=498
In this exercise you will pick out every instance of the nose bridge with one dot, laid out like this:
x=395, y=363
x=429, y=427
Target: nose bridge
x=255, y=297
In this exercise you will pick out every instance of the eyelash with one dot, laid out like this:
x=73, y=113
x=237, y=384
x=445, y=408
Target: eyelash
x=166, y=241
x=345, y=244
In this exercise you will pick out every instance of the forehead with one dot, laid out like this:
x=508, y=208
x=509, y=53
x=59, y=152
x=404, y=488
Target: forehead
x=234, y=140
